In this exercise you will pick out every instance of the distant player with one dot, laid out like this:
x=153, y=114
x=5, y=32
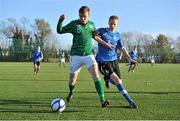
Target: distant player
x=62, y=58
x=81, y=52
x=37, y=58
x=133, y=55
x=152, y=61
x=107, y=58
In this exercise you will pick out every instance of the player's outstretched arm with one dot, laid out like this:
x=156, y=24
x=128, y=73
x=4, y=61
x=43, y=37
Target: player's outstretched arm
x=120, y=55
x=127, y=54
x=59, y=25
x=99, y=40
x=64, y=29
x=41, y=57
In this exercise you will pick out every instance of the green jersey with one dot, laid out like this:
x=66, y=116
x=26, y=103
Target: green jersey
x=62, y=55
x=82, y=36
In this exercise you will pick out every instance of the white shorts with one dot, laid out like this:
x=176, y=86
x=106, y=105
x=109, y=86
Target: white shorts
x=152, y=61
x=78, y=61
x=63, y=60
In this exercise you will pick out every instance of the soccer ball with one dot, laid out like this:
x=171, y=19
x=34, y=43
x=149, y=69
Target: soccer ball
x=58, y=105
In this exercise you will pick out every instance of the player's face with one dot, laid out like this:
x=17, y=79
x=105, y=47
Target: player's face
x=39, y=48
x=113, y=23
x=84, y=17
x=135, y=48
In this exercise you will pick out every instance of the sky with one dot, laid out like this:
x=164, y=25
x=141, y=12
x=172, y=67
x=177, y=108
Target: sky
x=146, y=16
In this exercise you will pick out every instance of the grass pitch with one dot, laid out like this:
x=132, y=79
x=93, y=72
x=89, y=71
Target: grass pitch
x=24, y=96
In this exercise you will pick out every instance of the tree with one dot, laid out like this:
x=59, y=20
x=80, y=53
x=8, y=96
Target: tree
x=164, y=48
x=42, y=31
x=162, y=41
x=177, y=45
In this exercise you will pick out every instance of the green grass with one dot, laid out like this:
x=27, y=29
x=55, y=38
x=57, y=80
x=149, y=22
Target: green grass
x=24, y=96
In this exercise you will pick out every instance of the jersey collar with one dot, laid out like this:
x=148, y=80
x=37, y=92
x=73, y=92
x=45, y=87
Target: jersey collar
x=82, y=23
x=107, y=29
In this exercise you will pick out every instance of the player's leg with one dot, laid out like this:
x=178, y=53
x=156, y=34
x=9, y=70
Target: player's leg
x=35, y=66
x=109, y=70
x=92, y=66
x=112, y=67
x=38, y=68
x=74, y=71
x=98, y=84
x=130, y=67
x=122, y=90
x=59, y=62
x=103, y=71
x=64, y=62
x=72, y=83
x=134, y=65
x=115, y=67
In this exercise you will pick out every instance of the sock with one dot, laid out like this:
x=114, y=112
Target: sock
x=111, y=81
x=99, y=89
x=124, y=93
x=71, y=88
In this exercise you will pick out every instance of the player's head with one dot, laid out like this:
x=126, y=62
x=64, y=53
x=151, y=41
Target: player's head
x=135, y=48
x=38, y=48
x=84, y=12
x=113, y=22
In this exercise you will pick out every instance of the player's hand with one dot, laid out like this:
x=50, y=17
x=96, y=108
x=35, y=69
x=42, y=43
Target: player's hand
x=40, y=59
x=120, y=57
x=62, y=17
x=108, y=45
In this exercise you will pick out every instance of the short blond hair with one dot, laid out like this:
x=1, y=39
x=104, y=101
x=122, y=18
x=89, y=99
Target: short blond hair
x=84, y=9
x=113, y=17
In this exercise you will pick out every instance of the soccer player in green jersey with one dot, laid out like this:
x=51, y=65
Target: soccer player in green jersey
x=62, y=58
x=81, y=51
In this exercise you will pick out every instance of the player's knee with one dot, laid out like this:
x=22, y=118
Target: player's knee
x=95, y=78
x=94, y=74
x=72, y=81
x=120, y=81
x=116, y=78
x=73, y=78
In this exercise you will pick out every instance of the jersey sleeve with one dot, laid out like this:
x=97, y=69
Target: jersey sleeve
x=41, y=55
x=66, y=29
x=99, y=31
x=93, y=30
x=119, y=43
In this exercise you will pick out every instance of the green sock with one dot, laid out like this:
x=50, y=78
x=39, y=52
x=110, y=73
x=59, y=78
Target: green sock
x=71, y=88
x=100, y=89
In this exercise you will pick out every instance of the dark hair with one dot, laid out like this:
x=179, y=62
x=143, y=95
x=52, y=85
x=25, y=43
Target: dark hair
x=84, y=9
x=113, y=17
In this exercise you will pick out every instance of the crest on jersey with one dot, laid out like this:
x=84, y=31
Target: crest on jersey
x=114, y=37
x=91, y=26
x=78, y=28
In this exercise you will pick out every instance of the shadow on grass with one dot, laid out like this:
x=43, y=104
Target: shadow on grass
x=30, y=106
x=133, y=92
x=22, y=102
x=39, y=111
x=127, y=107
x=25, y=111
x=32, y=79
